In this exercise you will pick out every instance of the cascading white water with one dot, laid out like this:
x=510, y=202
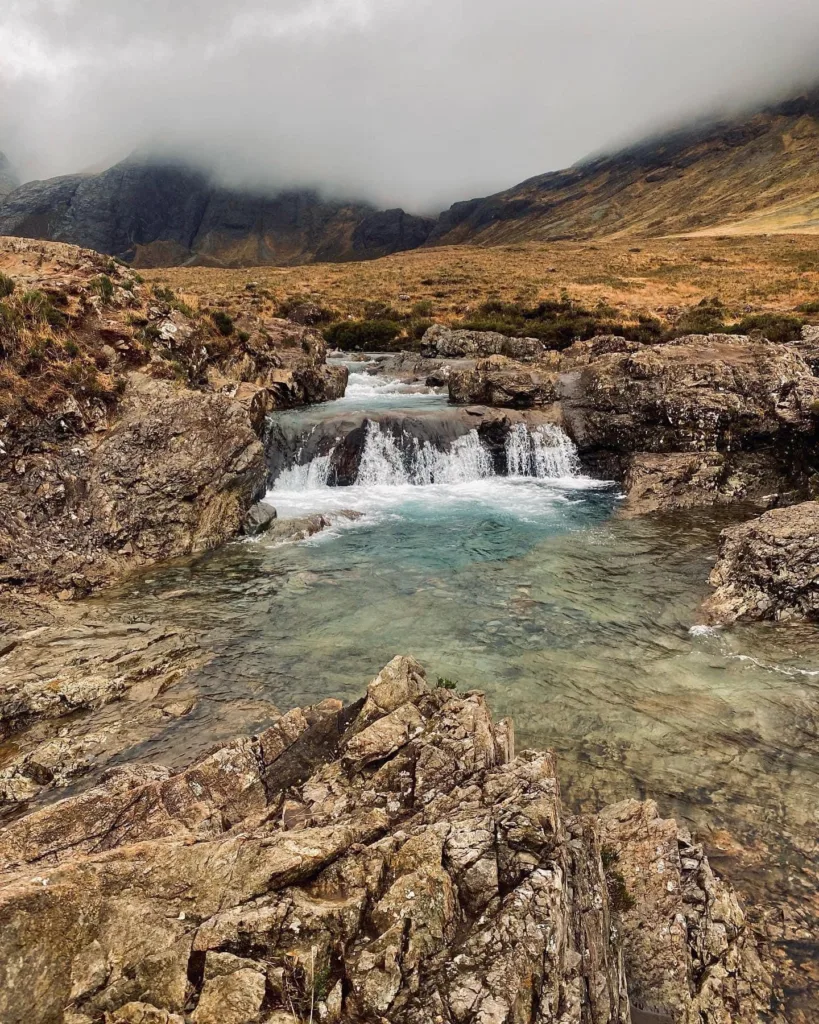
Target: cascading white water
x=546, y=453
x=306, y=477
x=383, y=462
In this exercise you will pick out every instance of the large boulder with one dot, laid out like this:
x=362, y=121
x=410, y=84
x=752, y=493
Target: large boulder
x=174, y=474
x=768, y=568
x=704, y=419
x=392, y=860
x=445, y=343
x=501, y=382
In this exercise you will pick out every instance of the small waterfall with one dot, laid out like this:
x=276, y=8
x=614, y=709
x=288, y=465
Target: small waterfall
x=546, y=452
x=306, y=477
x=383, y=462
x=390, y=459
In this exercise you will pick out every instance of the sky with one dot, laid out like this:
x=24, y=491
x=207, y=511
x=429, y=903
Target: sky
x=413, y=103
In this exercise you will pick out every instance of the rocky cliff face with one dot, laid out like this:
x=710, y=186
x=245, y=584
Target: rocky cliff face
x=392, y=860
x=159, y=215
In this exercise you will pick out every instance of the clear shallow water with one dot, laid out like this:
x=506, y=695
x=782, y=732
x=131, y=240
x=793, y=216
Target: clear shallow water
x=580, y=625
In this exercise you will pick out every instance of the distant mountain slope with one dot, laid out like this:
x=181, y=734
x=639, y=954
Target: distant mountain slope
x=158, y=214
x=759, y=173
x=755, y=174
x=8, y=179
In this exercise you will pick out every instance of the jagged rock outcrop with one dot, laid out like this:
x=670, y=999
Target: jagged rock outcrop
x=498, y=381
x=768, y=568
x=160, y=214
x=392, y=860
x=442, y=342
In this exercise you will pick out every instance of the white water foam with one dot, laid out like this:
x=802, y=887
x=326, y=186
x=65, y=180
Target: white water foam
x=416, y=478
x=546, y=453
x=366, y=387
x=384, y=464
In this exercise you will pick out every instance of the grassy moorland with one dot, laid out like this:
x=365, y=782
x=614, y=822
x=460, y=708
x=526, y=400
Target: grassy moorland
x=657, y=278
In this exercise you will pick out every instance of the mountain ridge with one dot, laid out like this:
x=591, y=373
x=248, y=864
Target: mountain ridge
x=752, y=174
x=706, y=176
x=161, y=213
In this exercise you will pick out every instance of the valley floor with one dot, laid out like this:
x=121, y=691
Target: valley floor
x=651, y=276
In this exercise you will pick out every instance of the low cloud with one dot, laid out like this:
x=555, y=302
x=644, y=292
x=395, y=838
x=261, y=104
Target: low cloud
x=415, y=103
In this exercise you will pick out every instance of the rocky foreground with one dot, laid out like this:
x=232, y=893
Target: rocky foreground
x=389, y=861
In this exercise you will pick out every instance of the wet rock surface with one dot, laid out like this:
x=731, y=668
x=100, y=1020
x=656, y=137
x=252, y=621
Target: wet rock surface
x=56, y=683
x=391, y=860
x=768, y=568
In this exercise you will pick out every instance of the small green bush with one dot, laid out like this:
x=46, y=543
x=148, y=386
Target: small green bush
x=6, y=286
x=808, y=307
x=38, y=308
x=706, y=318
x=777, y=327
x=422, y=309
x=362, y=335
x=223, y=322
x=446, y=684
x=103, y=286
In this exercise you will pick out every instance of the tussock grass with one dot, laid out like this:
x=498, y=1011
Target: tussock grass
x=655, y=278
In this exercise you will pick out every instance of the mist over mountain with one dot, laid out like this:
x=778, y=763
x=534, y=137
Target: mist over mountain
x=416, y=105
x=8, y=177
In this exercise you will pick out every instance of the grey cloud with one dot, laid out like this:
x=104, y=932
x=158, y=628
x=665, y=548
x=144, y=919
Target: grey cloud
x=406, y=102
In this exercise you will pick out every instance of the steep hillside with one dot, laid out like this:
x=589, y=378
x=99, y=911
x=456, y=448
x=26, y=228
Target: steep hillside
x=8, y=179
x=161, y=215
x=757, y=174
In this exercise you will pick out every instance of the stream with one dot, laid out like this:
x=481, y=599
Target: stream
x=582, y=625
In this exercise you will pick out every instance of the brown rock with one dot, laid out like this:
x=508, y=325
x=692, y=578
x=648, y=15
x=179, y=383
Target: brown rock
x=500, y=382
x=388, y=861
x=768, y=568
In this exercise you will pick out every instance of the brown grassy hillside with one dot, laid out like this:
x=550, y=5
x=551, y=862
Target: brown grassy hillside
x=750, y=175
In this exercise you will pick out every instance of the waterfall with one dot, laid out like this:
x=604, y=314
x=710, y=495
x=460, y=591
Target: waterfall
x=391, y=460
x=546, y=452
x=306, y=477
x=383, y=462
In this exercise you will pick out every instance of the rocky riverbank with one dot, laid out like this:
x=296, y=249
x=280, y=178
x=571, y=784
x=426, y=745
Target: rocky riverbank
x=131, y=423
x=701, y=420
x=391, y=860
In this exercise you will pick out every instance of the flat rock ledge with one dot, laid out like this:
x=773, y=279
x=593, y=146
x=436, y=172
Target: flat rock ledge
x=390, y=861
x=768, y=568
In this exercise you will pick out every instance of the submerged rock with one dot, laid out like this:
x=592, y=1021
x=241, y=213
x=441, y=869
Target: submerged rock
x=768, y=568
x=393, y=860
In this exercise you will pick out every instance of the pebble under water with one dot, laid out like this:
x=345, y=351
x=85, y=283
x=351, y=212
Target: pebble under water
x=581, y=625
